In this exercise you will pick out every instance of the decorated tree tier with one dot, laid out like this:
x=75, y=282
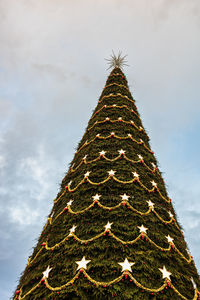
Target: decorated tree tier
x=112, y=231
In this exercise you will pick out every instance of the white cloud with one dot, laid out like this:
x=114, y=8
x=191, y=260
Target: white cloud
x=23, y=215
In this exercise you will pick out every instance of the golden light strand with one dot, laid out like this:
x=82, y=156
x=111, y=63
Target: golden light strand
x=114, y=121
x=115, y=106
x=113, y=135
x=85, y=161
x=111, y=234
x=116, y=95
x=105, y=284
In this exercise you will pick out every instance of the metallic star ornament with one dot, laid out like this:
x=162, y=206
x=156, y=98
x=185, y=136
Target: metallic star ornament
x=193, y=283
x=125, y=197
x=169, y=239
x=121, y=151
x=72, y=229
x=46, y=272
x=82, y=264
x=117, y=61
x=70, y=202
x=87, y=174
x=111, y=173
x=165, y=273
x=96, y=197
x=151, y=204
x=140, y=157
x=102, y=153
x=143, y=229
x=154, y=183
x=135, y=175
x=126, y=265
x=108, y=225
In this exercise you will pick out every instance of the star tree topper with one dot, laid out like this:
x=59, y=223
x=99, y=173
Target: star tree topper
x=117, y=61
x=126, y=265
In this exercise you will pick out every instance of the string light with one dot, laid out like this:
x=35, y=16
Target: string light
x=126, y=272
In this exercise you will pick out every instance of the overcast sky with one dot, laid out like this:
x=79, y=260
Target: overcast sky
x=52, y=71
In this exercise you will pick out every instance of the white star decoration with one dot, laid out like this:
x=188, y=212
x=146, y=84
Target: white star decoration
x=126, y=265
x=121, y=151
x=108, y=225
x=151, y=204
x=154, y=183
x=125, y=197
x=111, y=173
x=46, y=272
x=107, y=119
x=153, y=165
x=120, y=118
x=87, y=174
x=129, y=135
x=97, y=135
x=72, y=229
x=193, y=283
x=70, y=183
x=84, y=158
x=96, y=197
x=112, y=133
x=140, y=157
x=169, y=239
x=114, y=105
x=70, y=202
x=82, y=264
x=102, y=152
x=170, y=214
x=165, y=273
x=143, y=229
x=135, y=175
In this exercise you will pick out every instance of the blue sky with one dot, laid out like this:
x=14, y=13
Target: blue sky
x=52, y=71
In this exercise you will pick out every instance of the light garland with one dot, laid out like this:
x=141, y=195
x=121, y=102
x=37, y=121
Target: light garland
x=108, y=231
x=124, y=203
x=111, y=175
x=120, y=85
x=167, y=284
x=120, y=156
x=116, y=95
x=119, y=120
x=115, y=106
x=113, y=135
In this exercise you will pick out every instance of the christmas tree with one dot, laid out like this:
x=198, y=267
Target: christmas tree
x=112, y=231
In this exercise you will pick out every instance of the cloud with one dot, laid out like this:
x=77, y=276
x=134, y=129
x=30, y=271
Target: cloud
x=52, y=71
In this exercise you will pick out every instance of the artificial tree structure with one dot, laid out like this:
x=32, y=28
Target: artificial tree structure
x=112, y=231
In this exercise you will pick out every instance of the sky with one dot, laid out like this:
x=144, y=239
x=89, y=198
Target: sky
x=52, y=71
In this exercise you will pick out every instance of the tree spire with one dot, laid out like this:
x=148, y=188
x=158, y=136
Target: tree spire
x=117, y=61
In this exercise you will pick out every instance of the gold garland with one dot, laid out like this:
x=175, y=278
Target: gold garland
x=110, y=233
x=120, y=85
x=86, y=178
x=113, y=135
x=115, y=106
x=155, y=169
x=116, y=95
x=114, y=121
x=126, y=274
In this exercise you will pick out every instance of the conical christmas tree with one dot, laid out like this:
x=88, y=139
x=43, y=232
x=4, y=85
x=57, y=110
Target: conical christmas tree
x=112, y=232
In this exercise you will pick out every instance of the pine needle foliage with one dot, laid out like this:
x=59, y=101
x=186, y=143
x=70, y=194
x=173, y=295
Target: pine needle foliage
x=106, y=251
